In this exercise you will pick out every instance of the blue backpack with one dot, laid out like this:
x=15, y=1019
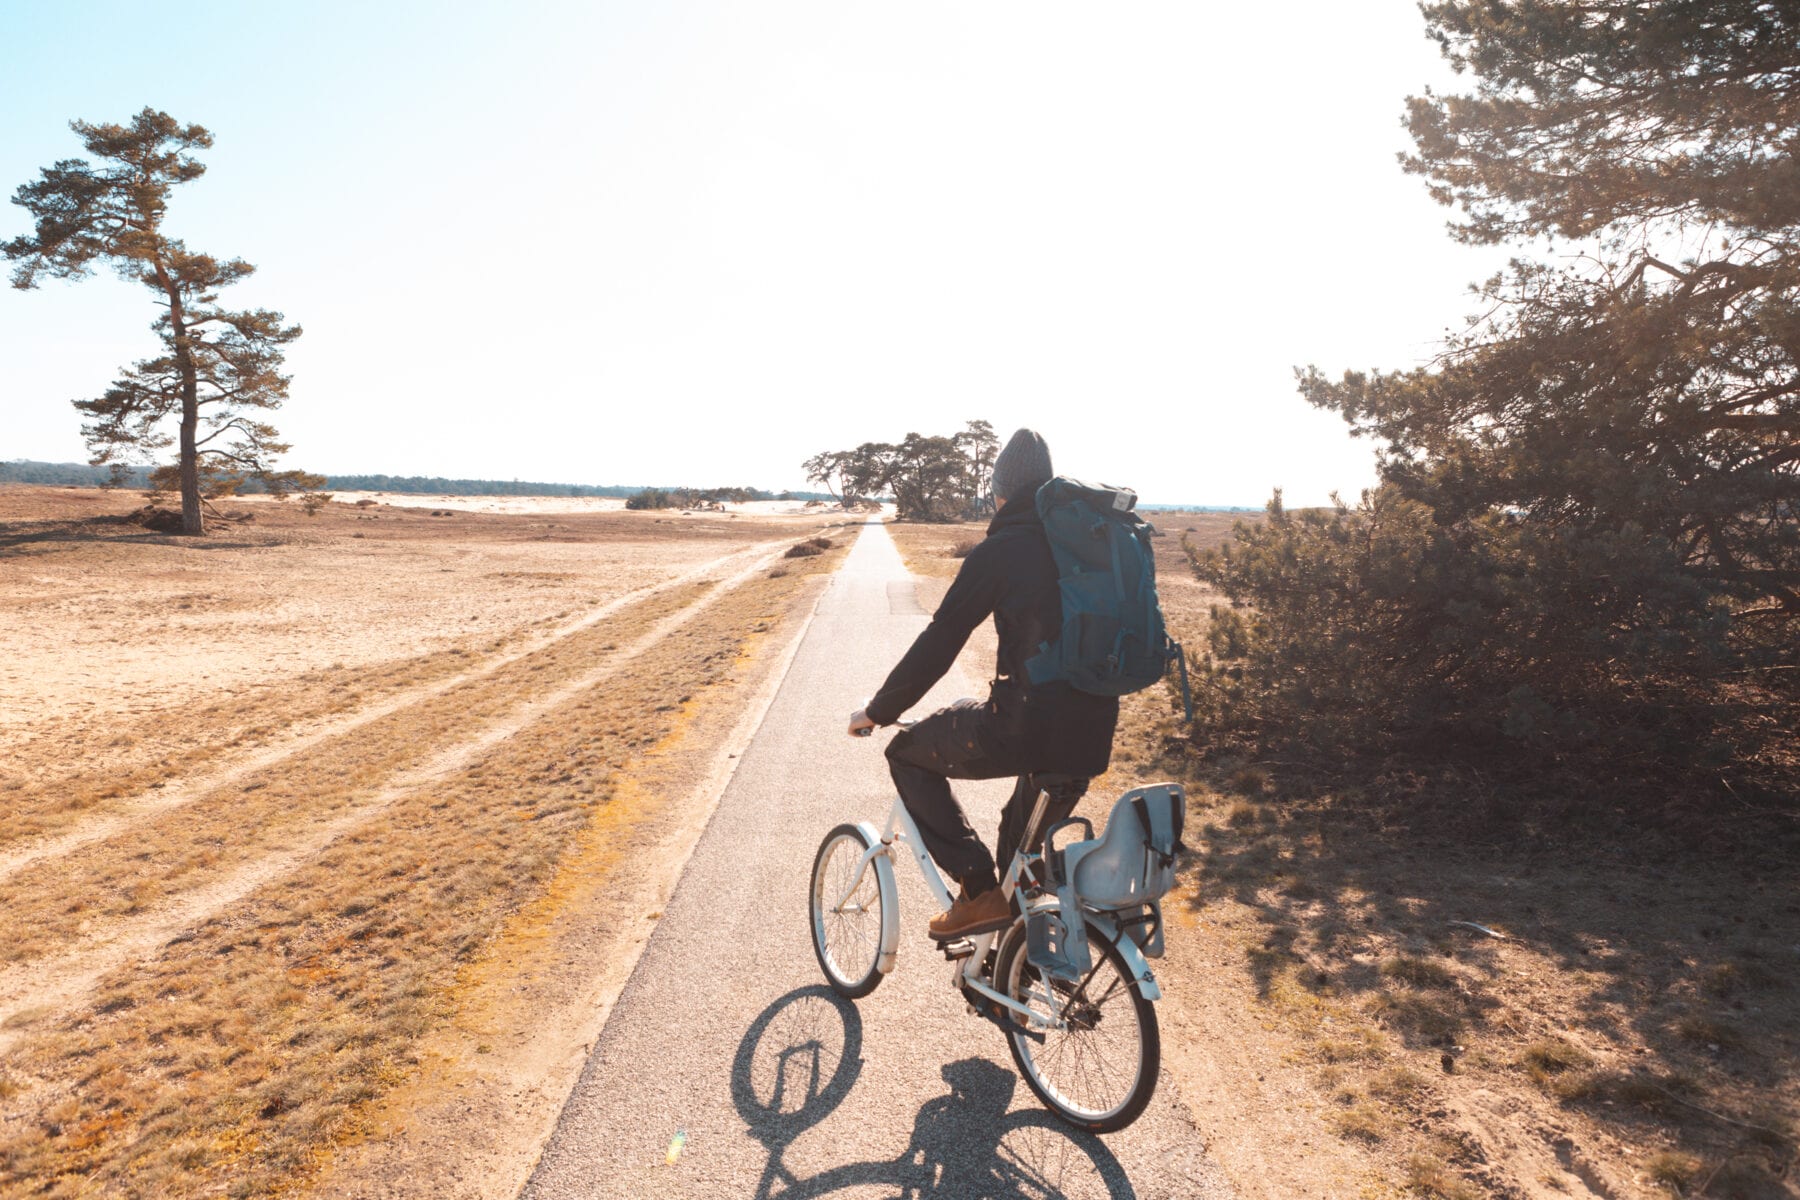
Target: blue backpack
x=1112, y=640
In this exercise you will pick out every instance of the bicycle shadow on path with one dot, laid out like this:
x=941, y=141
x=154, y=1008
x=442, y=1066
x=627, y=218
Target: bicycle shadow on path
x=800, y=1059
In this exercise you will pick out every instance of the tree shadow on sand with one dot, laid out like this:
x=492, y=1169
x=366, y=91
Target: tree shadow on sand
x=801, y=1058
x=1649, y=988
x=112, y=530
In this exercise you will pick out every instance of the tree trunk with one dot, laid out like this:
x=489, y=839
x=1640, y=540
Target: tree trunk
x=193, y=518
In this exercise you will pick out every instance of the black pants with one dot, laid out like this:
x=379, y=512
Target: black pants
x=950, y=744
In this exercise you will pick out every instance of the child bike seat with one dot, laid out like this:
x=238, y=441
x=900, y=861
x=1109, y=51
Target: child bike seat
x=1133, y=862
x=1123, y=873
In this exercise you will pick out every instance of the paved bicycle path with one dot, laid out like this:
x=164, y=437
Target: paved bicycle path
x=726, y=1033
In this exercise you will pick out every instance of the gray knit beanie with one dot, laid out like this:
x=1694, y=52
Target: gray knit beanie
x=1023, y=467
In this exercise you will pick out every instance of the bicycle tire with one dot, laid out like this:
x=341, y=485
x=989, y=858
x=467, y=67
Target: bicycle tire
x=1040, y=1067
x=847, y=945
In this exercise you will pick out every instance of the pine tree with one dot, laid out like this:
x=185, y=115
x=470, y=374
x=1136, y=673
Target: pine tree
x=218, y=366
x=1652, y=381
x=826, y=466
x=931, y=478
x=980, y=446
x=1590, y=504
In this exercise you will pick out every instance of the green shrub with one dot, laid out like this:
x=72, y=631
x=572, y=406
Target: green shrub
x=1352, y=624
x=650, y=498
x=1588, y=528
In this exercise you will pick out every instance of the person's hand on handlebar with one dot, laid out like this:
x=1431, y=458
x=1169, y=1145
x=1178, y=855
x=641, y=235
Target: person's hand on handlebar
x=860, y=724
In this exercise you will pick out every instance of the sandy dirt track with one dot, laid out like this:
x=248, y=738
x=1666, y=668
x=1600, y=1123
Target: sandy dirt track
x=103, y=622
x=33, y=987
x=364, y=711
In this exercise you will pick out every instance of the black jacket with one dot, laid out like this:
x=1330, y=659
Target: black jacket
x=1011, y=575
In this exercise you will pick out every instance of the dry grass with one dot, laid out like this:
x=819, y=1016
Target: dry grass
x=1709, y=1032
x=1249, y=780
x=1427, y=1172
x=1622, y=1044
x=50, y=903
x=237, y=1054
x=245, y=1048
x=1241, y=814
x=1418, y=972
x=1672, y=1169
x=133, y=658
x=1364, y=1121
x=1549, y=1058
x=936, y=550
x=46, y=789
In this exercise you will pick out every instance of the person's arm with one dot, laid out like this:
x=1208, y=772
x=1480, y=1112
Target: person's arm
x=967, y=604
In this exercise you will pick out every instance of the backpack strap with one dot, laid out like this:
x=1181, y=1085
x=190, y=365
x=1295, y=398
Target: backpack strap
x=1152, y=619
x=1112, y=541
x=1187, y=696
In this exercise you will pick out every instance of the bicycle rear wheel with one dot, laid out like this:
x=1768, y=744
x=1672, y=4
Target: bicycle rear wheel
x=847, y=936
x=1099, y=1072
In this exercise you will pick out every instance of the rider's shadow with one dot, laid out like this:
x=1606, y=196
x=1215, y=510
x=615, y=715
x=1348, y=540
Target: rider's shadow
x=800, y=1059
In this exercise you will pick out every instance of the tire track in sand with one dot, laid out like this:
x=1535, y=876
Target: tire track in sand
x=35, y=991
x=148, y=804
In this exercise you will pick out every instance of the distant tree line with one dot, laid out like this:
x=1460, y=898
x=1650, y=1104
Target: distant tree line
x=437, y=485
x=72, y=475
x=413, y=484
x=82, y=475
x=646, y=498
x=930, y=478
x=1587, y=527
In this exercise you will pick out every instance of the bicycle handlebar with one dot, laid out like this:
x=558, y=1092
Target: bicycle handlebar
x=870, y=731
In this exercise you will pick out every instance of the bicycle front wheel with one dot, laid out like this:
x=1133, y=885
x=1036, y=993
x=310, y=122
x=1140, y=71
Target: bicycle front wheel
x=847, y=921
x=1098, y=1071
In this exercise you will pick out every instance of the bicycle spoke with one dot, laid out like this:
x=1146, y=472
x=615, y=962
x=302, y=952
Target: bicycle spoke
x=848, y=918
x=1112, y=990
x=1090, y=1065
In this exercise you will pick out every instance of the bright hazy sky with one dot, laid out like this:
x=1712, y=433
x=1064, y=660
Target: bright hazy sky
x=698, y=242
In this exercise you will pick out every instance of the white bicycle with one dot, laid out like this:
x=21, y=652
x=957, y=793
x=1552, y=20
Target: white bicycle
x=1067, y=981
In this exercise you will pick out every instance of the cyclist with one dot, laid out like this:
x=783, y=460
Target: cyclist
x=1020, y=729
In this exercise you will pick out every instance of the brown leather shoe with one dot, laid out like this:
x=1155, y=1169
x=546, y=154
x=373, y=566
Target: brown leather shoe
x=971, y=915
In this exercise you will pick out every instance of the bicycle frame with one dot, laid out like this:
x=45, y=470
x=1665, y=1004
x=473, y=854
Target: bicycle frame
x=968, y=971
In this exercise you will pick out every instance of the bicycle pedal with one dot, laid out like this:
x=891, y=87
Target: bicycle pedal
x=957, y=949
x=1006, y=1022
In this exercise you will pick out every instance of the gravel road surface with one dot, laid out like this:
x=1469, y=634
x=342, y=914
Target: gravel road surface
x=728, y=1068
